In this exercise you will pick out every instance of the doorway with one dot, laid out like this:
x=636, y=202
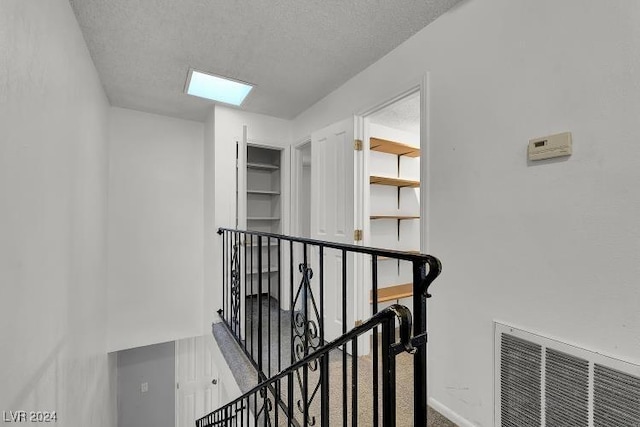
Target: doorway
x=303, y=190
x=392, y=195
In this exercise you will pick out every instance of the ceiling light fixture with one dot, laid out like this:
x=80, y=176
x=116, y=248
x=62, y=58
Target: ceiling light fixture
x=216, y=88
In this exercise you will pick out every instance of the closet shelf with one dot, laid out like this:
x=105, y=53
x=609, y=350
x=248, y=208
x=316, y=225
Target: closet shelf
x=263, y=166
x=394, y=182
x=393, y=147
x=398, y=217
x=392, y=293
x=268, y=192
x=263, y=218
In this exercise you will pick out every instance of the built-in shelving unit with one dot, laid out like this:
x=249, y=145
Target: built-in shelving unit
x=380, y=210
x=263, y=188
x=263, y=207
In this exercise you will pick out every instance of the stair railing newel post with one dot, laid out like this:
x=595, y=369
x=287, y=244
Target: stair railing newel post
x=421, y=282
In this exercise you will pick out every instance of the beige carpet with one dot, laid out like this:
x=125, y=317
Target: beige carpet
x=246, y=376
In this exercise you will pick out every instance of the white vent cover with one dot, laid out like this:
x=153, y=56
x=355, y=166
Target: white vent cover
x=543, y=382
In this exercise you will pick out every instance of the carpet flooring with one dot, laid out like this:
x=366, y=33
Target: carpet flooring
x=274, y=360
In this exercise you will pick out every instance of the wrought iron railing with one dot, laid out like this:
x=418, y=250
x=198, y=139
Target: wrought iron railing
x=262, y=406
x=278, y=324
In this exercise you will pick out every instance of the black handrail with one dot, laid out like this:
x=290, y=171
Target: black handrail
x=253, y=310
x=433, y=262
x=385, y=318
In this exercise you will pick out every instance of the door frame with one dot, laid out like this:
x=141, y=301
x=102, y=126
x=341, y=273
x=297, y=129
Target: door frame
x=420, y=85
x=296, y=171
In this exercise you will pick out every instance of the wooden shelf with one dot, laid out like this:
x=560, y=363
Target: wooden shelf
x=393, y=147
x=268, y=192
x=392, y=293
x=263, y=166
x=263, y=218
x=394, y=182
x=398, y=217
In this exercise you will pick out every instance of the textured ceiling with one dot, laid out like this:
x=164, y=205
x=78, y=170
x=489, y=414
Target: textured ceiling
x=294, y=51
x=403, y=115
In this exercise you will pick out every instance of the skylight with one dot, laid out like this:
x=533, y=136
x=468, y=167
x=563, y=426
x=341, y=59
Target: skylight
x=216, y=88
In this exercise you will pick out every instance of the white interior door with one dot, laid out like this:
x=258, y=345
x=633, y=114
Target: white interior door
x=196, y=380
x=332, y=216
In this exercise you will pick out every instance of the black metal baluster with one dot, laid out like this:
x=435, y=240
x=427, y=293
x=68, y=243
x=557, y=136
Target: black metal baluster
x=374, y=298
x=241, y=246
x=260, y=370
x=279, y=314
x=290, y=397
x=388, y=376
x=246, y=293
x=420, y=357
x=265, y=412
x=269, y=306
x=291, y=298
x=344, y=330
x=252, y=296
x=305, y=369
x=224, y=270
x=324, y=362
x=354, y=382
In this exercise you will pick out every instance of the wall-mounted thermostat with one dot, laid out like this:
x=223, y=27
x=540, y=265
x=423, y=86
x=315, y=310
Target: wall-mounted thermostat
x=550, y=146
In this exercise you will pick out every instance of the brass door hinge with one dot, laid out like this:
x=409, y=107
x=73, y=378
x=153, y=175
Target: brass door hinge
x=357, y=235
x=357, y=144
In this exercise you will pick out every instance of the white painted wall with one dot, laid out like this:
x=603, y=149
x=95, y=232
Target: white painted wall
x=53, y=196
x=155, y=229
x=211, y=240
x=551, y=246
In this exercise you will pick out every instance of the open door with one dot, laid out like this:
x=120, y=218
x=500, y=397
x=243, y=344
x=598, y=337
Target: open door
x=332, y=219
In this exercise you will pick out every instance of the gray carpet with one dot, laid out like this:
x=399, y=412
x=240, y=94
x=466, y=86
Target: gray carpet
x=246, y=375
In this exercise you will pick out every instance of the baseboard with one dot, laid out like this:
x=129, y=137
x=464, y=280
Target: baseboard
x=444, y=410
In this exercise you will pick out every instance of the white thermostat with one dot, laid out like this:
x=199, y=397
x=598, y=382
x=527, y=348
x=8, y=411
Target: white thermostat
x=550, y=146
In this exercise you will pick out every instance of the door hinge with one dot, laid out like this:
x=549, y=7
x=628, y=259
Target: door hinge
x=357, y=144
x=357, y=235
x=178, y=385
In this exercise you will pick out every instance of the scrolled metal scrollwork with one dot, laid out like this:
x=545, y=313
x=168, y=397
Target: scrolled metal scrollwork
x=235, y=285
x=306, y=321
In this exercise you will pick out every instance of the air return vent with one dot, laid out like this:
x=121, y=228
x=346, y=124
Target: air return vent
x=520, y=373
x=544, y=382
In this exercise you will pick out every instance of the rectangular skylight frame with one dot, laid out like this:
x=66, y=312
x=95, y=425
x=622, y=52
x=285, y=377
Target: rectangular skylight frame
x=232, y=84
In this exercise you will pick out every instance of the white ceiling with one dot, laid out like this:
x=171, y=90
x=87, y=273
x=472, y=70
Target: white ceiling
x=403, y=115
x=294, y=51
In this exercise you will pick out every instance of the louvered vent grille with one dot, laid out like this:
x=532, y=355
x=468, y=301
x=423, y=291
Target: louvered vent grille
x=544, y=382
x=616, y=398
x=566, y=390
x=520, y=372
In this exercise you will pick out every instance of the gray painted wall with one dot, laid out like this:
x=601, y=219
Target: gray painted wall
x=155, y=365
